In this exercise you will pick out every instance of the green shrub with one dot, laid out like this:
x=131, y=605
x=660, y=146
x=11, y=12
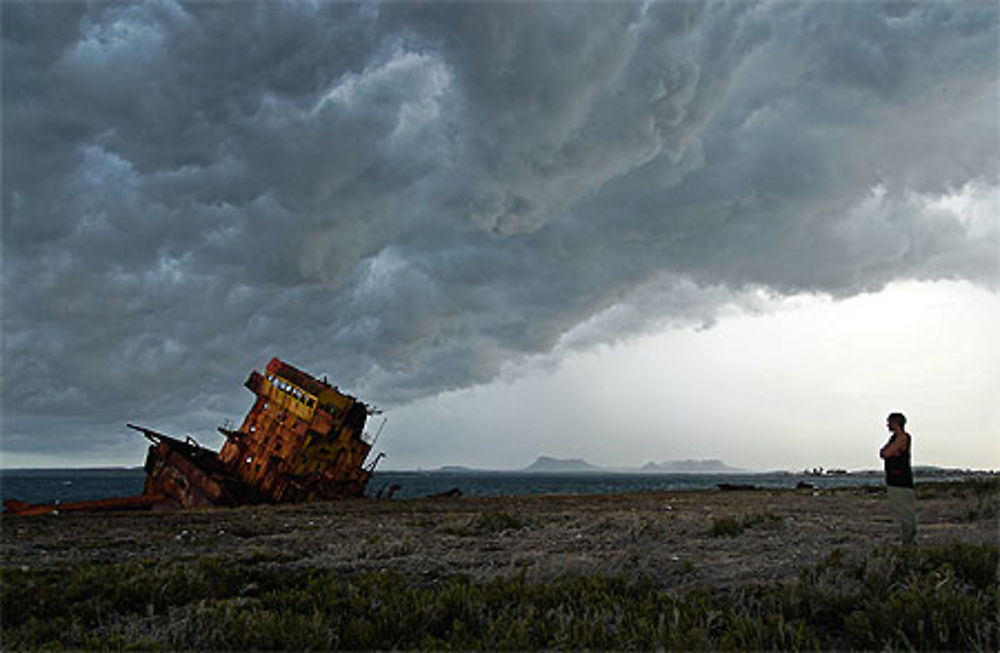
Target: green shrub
x=498, y=521
x=727, y=526
x=928, y=598
x=730, y=526
x=494, y=521
x=985, y=493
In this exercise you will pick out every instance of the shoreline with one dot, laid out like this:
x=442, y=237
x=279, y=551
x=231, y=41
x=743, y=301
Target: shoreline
x=52, y=487
x=690, y=570
x=673, y=537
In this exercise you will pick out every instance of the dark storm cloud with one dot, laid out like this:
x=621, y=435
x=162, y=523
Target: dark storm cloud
x=407, y=196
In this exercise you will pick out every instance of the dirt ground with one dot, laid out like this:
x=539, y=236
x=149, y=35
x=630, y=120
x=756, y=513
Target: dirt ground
x=664, y=536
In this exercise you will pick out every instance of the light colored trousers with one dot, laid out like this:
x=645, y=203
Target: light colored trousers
x=903, y=507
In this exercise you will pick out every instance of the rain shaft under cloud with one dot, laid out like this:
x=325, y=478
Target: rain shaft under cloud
x=407, y=196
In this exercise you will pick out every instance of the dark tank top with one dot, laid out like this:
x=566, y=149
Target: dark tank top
x=898, y=472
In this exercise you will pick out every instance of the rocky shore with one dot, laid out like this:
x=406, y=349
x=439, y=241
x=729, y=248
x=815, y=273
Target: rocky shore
x=674, y=539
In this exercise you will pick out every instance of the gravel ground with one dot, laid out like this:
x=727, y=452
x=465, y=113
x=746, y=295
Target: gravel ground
x=664, y=536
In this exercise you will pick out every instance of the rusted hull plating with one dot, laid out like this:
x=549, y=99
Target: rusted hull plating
x=141, y=502
x=303, y=440
x=190, y=476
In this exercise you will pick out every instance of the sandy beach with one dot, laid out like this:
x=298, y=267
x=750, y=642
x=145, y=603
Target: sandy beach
x=674, y=539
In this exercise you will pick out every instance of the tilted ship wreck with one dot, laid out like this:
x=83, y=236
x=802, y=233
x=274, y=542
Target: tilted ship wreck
x=303, y=440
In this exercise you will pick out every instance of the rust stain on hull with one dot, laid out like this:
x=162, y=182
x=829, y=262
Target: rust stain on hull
x=141, y=502
x=302, y=440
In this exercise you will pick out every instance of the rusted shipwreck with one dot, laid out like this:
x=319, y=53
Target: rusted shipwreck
x=303, y=440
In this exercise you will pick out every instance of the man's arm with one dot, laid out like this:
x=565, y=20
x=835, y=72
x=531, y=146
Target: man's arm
x=895, y=447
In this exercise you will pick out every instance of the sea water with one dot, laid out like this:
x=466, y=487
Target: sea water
x=418, y=484
x=49, y=486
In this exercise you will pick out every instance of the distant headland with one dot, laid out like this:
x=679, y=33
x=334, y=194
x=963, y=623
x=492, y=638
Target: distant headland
x=551, y=465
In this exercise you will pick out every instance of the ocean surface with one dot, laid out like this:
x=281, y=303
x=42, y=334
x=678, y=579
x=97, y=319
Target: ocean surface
x=47, y=486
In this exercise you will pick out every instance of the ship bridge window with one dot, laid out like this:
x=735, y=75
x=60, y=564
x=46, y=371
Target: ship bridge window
x=291, y=389
x=296, y=393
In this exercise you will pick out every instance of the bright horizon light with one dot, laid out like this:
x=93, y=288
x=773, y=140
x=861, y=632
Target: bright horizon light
x=808, y=384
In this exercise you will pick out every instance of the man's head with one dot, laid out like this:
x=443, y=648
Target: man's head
x=896, y=419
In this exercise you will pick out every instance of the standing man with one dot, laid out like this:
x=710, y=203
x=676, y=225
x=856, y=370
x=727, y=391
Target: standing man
x=899, y=477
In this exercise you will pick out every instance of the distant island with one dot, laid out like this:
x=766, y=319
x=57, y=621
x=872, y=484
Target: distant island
x=709, y=465
x=548, y=464
x=552, y=465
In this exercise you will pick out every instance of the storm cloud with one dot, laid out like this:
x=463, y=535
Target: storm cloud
x=408, y=196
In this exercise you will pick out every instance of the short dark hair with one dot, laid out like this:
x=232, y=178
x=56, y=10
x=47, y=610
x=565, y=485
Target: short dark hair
x=898, y=418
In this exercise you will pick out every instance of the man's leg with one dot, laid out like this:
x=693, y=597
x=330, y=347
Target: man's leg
x=903, y=506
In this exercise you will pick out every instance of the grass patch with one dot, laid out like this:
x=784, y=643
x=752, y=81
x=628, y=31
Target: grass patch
x=985, y=495
x=981, y=494
x=940, y=598
x=927, y=598
x=259, y=556
x=731, y=526
x=377, y=547
x=498, y=522
x=485, y=523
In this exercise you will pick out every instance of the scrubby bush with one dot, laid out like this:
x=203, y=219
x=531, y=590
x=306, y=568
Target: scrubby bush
x=937, y=598
x=494, y=521
x=985, y=497
x=731, y=526
x=930, y=598
x=498, y=521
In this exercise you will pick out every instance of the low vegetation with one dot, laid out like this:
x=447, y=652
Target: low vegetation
x=490, y=522
x=927, y=598
x=980, y=493
x=986, y=497
x=731, y=526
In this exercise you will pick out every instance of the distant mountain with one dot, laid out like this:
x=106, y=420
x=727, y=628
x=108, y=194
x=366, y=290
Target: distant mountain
x=549, y=464
x=696, y=466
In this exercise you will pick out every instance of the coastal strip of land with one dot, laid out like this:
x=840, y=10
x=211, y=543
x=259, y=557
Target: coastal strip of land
x=676, y=545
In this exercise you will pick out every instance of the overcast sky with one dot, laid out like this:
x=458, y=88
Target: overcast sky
x=623, y=232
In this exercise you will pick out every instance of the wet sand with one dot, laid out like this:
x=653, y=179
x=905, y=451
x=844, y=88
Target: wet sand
x=666, y=537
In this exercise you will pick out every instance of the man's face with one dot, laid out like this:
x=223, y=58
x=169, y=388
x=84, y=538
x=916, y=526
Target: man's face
x=889, y=424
